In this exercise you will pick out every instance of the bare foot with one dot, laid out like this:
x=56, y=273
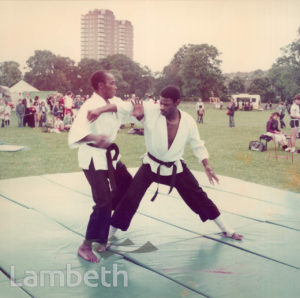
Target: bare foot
x=86, y=252
x=234, y=236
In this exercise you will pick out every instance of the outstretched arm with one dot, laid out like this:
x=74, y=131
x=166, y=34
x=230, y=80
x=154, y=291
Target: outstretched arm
x=92, y=115
x=138, y=110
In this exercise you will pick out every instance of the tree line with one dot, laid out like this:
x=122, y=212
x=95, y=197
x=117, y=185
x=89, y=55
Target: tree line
x=195, y=69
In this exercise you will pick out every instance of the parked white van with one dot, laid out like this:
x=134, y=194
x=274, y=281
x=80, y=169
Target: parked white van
x=247, y=102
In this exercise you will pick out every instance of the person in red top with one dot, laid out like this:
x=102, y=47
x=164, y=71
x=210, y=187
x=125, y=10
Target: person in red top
x=274, y=132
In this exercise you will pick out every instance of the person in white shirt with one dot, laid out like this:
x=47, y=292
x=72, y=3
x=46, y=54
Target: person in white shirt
x=7, y=114
x=294, y=123
x=167, y=129
x=68, y=103
x=107, y=176
x=199, y=105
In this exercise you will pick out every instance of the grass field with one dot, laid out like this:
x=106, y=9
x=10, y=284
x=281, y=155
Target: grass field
x=228, y=148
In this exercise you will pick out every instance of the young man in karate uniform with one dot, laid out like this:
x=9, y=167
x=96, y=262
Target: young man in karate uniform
x=167, y=129
x=107, y=176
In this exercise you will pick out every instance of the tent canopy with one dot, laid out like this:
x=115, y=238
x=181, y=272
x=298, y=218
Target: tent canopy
x=22, y=86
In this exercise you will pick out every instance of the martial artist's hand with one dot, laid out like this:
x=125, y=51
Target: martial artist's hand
x=92, y=115
x=211, y=175
x=138, y=109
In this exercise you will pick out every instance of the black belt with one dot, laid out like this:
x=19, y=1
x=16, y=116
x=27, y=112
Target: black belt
x=110, y=167
x=168, y=164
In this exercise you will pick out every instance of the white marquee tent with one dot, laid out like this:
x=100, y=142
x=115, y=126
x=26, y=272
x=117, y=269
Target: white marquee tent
x=20, y=87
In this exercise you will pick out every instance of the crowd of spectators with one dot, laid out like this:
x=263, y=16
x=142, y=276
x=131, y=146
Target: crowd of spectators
x=54, y=114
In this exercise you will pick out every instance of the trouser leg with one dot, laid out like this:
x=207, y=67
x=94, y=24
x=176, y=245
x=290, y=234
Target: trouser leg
x=99, y=222
x=19, y=121
x=123, y=180
x=130, y=202
x=231, y=121
x=194, y=196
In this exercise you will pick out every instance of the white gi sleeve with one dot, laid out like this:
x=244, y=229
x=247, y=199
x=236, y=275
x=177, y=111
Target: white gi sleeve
x=196, y=143
x=80, y=128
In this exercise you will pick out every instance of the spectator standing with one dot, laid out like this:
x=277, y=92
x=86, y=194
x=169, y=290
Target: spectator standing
x=27, y=101
x=43, y=113
x=31, y=117
x=281, y=109
x=198, y=104
x=7, y=113
x=201, y=113
x=68, y=103
x=221, y=104
x=36, y=104
x=20, y=112
x=2, y=109
x=50, y=102
x=230, y=112
x=294, y=123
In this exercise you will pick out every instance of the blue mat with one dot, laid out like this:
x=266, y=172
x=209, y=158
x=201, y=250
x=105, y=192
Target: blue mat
x=167, y=252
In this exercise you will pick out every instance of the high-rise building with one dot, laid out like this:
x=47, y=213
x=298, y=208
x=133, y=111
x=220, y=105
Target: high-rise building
x=103, y=35
x=124, y=38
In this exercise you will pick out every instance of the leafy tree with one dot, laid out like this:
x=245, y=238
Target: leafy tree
x=86, y=67
x=263, y=87
x=236, y=85
x=285, y=73
x=159, y=83
x=286, y=81
x=200, y=72
x=172, y=71
x=10, y=73
x=137, y=80
x=50, y=72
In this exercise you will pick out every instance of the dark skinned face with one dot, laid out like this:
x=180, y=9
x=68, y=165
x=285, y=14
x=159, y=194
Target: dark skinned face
x=168, y=107
x=109, y=88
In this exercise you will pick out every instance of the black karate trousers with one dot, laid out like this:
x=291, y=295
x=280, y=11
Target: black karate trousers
x=105, y=200
x=186, y=185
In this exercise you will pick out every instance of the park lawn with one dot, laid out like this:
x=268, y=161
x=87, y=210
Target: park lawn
x=228, y=148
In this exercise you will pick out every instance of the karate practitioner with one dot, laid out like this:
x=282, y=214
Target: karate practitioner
x=98, y=157
x=167, y=129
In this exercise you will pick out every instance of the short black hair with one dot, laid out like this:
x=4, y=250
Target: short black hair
x=170, y=92
x=98, y=77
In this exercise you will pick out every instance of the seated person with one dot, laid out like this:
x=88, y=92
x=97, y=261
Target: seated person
x=55, y=125
x=274, y=132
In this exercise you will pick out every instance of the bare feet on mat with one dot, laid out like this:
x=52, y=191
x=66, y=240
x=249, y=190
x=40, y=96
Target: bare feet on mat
x=233, y=236
x=86, y=252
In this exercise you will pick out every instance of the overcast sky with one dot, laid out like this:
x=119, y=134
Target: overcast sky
x=248, y=33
